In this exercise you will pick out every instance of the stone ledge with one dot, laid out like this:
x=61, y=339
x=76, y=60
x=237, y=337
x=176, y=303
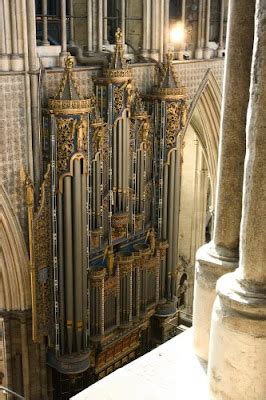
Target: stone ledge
x=171, y=371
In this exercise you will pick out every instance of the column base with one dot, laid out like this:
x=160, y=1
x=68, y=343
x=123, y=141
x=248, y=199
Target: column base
x=4, y=62
x=221, y=52
x=62, y=57
x=211, y=264
x=145, y=53
x=207, y=53
x=237, y=354
x=17, y=63
x=45, y=43
x=199, y=54
x=180, y=55
x=154, y=54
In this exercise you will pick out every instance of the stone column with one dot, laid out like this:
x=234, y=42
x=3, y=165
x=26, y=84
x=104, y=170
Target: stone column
x=34, y=89
x=105, y=15
x=4, y=58
x=221, y=255
x=166, y=26
x=199, y=50
x=123, y=20
x=45, y=41
x=221, y=31
x=16, y=61
x=146, y=22
x=238, y=330
x=63, y=32
x=100, y=25
x=207, y=50
x=71, y=23
x=154, y=30
x=89, y=24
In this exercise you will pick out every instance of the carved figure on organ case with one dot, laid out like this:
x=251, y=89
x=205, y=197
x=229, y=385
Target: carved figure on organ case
x=150, y=239
x=109, y=256
x=81, y=129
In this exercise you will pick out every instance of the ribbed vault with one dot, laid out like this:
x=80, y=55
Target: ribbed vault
x=15, y=291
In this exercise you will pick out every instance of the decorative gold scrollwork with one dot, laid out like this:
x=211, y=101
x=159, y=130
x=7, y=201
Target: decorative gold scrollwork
x=118, y=99
x=65, y=145
x=172, y=123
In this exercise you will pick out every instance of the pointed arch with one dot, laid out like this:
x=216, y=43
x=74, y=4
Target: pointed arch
x=15, y=293
x=204, y=117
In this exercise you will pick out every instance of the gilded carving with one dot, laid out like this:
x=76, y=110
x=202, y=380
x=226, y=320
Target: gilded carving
x=172, y=123
x=65, y=146
x=82, y=130
x=150, y=239
x=118, y=99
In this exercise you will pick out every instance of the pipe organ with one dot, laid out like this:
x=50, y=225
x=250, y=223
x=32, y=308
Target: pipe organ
x=103, y=238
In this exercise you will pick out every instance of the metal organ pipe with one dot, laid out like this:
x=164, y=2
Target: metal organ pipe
x=61, y=270
x=170, y=216
x=115, y=181
x=68, y=255
x=84, y=254
x=176, y=216
x=120, y=165
x=165, y=199
x=77, y=225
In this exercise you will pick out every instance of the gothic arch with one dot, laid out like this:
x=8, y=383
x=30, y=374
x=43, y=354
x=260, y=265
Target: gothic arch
x=15, y=293
x=204, y=117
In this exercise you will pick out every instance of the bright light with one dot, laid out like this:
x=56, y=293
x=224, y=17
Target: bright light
x=177, y=33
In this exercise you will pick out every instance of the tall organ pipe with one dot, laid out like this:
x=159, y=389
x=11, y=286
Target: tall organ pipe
x=84, y=254
x=165, y=198
x=77, y=212
x=61, y=269
x=170, y=217
x=115, y=183
x=68, y=255
x=120, y=165
x=176, y=217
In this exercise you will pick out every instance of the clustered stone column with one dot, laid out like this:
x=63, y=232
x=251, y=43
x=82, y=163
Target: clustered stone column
x=12, y=33
x=63, y=32
x=203, y=34
x=238, y=330
x=221, y=31
x=45, y=41
x=221, y=254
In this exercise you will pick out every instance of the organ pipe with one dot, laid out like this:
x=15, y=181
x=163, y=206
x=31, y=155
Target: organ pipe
x=61, y=269
x=77, y=231
x=68, y=256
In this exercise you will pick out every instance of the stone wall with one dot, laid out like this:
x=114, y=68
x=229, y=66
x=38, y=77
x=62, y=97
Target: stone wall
x=189, y=73
x=14, y=141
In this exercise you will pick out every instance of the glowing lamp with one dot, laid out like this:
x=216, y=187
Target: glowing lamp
x=177, y=33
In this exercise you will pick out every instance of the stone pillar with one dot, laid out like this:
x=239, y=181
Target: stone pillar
x=4, y=58
x=146, y=28
x=154, y=29
x=221, y=255
x=89, y=24
x=45, y=41
x=100, y=25
x=166, y=25
x=207, y=50
x=63, y=32
x=221, y=31
x=238, y=330
x=16, y=60
x=105, y=15
x=123, y=20
x=71, y=23
x=199, y=50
